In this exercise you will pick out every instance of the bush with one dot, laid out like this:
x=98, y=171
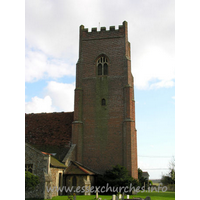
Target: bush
x=118, y=176
x=166, y=180
x=150, y=182
x=142, y=180
x=31, y=181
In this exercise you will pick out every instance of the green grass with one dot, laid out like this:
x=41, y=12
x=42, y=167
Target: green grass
x=154, y=196
x=157, y=195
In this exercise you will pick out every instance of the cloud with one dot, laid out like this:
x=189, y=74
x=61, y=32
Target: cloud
x=39, y=66
x=38, y=105
x=52, y=36
x=161, y=84
x=53, y=26
x=155, y=69
x=62, y=95
x=57, y=97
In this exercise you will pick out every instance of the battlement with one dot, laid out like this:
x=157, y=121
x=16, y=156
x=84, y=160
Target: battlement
x=112, y=32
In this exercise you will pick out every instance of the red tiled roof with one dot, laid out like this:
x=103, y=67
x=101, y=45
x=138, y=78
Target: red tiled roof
x=54, y=162
x=77, y=168
x=49, y=132
x=45, y=153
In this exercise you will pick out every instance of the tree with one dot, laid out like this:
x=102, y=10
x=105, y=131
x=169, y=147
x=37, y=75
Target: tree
x=118, y=176
x=150, y=182
x=172, y=170
x=31, y=181
x=166, y=180
x=170, y=177
x=142, y=180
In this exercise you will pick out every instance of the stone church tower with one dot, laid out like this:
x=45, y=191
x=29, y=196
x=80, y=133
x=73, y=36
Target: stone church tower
x=104, y=115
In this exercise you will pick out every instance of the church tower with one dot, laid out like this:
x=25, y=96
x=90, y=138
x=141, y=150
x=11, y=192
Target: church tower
x=104, y=111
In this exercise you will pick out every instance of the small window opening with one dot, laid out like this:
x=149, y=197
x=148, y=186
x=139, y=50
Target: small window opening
x=103, y=102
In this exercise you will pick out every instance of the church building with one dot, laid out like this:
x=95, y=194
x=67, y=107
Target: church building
x=101, y=131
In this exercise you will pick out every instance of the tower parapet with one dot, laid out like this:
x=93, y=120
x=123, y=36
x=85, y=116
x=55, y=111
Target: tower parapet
x=103, y=33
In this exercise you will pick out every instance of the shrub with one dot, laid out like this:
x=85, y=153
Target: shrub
x=142, y=180
x=118, y=176
x=31, y=181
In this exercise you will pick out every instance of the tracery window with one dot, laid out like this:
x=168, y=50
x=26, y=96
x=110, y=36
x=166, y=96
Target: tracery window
x=29, y=167
x=102, y=64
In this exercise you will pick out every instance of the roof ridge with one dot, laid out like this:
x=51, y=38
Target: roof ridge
x=87, y=168
x=47, y=113
x=69, y=152
x=35, y=149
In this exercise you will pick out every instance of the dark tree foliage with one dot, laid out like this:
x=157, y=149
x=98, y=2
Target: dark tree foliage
x=142, y=180
x=170, y=178
x=117, y=177
x=31, y=181
x=166, y=180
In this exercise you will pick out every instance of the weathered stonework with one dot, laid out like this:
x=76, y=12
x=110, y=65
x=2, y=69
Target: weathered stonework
x=41, y=168
x=50, y=177
x=55, y=180
x=82, y=181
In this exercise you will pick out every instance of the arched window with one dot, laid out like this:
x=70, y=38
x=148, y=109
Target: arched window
x=103, y=102
x=102, y=64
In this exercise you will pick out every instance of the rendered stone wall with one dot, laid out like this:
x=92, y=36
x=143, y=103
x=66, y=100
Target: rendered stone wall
x=82, y=181
x=55, y=180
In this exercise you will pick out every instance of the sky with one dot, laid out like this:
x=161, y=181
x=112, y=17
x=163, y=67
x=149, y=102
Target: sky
x=51, y=54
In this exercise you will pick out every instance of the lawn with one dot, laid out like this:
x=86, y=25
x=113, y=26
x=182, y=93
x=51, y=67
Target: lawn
x=154, y=196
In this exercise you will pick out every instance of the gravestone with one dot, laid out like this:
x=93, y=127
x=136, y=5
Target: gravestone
x=123, y=196
x=120, y=196
x=147, y=198
x=127, y=196
x=97, y=194
x=113, y=197
x=70, y=197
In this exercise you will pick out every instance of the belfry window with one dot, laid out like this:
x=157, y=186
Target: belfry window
x=102, y=65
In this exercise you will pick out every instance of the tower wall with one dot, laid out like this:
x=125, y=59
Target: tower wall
x=105, y=134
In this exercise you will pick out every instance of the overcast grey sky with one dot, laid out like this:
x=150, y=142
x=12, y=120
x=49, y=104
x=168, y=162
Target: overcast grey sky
x=52, y=33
